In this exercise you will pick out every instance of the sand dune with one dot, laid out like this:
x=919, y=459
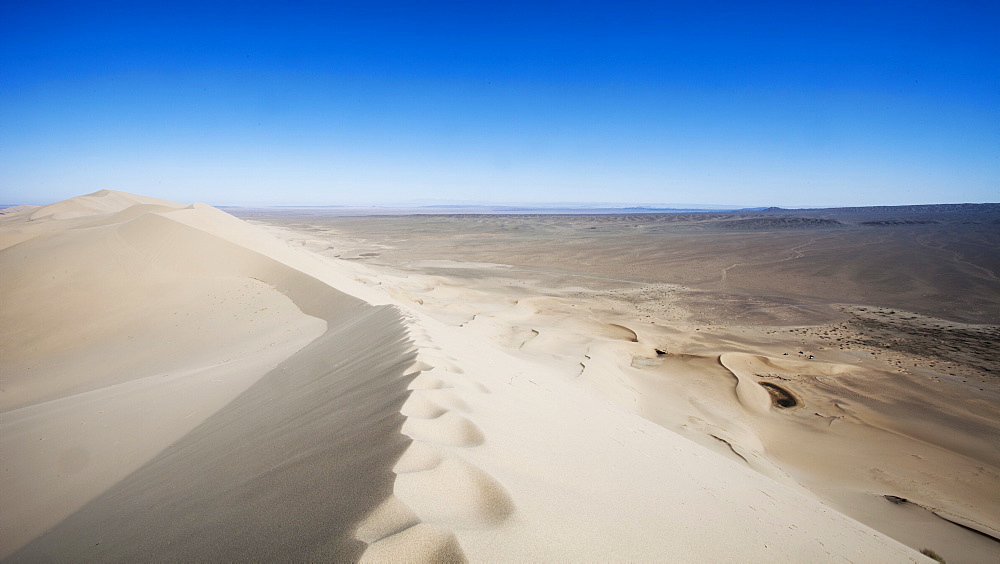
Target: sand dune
x=128, y=330
x=179, y=385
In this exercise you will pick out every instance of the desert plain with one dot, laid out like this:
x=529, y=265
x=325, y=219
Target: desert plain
x=179, y=382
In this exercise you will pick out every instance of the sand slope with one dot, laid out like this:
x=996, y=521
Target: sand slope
x=179, y=385
x=127, y=330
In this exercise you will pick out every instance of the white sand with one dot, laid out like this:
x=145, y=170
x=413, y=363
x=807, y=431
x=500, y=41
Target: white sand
x=178, y=384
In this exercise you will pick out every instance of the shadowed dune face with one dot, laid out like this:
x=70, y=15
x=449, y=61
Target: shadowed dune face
x=170, y=393
x=285, y=471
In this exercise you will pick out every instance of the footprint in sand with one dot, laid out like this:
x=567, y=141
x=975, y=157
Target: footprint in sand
x=430, y=361
x=419, y=457
x=390, y=517
x=437, y=379
x=394, y=533
x=448, y=400
x=456, y=495
x=427, y=381
x=420, y=365
x=420, y=407
x=419, y=543
x=449, y=429
x=472, y=385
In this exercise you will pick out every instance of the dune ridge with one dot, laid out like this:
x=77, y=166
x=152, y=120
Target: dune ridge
x=165, y=262
x=178, y=385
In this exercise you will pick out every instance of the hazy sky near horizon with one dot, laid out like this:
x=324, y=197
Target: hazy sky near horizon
x=742, y=103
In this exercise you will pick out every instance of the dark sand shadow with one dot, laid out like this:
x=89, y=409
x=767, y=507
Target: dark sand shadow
x=284, y=472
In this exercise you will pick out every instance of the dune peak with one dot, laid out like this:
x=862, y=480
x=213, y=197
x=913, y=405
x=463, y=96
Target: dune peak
x=102, y=202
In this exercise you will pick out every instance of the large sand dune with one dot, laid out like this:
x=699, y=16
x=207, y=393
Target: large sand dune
x=180, y=385
x=129, y=329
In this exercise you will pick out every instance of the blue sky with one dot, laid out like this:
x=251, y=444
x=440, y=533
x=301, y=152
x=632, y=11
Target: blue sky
x=742, y=103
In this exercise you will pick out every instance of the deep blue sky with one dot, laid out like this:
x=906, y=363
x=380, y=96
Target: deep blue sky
x=766, y=103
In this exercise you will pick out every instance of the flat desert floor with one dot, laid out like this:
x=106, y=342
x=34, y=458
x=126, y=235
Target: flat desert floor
x=181, y=384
